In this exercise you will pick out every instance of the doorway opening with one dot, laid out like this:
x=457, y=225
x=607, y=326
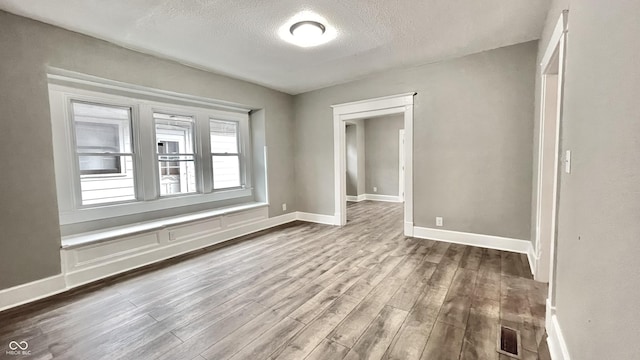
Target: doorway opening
x=350, y=114
x=375, y=163
x=549, y=164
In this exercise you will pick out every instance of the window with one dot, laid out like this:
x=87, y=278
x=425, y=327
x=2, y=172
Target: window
x=117, y=155
x=225, y=154
x=104, y=153
x=176, y=154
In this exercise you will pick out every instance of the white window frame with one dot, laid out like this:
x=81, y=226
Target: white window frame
x=76, y=160
x=242, y=135
x=146, y=178
x=197, y=148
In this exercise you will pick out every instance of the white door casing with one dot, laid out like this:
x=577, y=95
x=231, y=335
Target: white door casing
x=388, y=105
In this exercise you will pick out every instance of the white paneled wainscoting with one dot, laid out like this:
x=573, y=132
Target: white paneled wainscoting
x=97, y=255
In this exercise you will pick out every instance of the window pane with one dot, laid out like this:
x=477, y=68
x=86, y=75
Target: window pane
x=224, y=137
x=101, y=131
x=177, y=175
x=102, y=128
x=98, y=188
x=226, y=172
x=174, y=134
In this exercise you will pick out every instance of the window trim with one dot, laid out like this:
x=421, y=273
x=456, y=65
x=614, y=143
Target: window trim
x=146, y=180
x=69, y=120
x=77, y=155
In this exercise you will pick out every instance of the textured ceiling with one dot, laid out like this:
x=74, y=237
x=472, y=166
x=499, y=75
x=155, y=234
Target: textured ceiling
x=239, y=38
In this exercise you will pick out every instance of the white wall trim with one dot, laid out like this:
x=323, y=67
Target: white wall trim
x=316, y=218
x=86, y=264
x=555, y=340
x=555, y=47
x=361, y=197
x=122, y=231
x=401, y=165
x=385, y=198
x=558, y=31
x=532, y=257
x=408, y=228
x=72, y=78
x=383, y=102
x=480, y=240
x=374, y=197
x=394, y=104
x=545, y=255
x=89, y=262
x=31, y=291
x=83, y=264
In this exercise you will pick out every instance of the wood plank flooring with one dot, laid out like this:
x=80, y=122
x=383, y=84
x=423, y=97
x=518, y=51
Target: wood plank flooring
x=302, y=291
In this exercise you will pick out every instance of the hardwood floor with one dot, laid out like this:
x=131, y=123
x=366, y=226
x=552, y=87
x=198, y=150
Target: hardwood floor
x=303, y=291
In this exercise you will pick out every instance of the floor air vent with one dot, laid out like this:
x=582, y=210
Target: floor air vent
x=509, y=341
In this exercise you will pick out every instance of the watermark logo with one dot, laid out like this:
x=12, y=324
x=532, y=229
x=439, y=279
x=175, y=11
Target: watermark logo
x=18, y=348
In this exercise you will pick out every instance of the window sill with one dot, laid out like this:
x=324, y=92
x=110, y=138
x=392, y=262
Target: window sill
x=137, y=207
x=72, y=241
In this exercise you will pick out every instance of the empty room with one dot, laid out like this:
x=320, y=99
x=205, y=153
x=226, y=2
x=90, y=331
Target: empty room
x=210, y=180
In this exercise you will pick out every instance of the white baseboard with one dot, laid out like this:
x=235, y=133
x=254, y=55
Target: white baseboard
x=32, y=291
x=408, y=229
x=485, y=241
x=555, y=340
x=358, y=198
x=316, y=218
x=533, y=259
x=378, y=197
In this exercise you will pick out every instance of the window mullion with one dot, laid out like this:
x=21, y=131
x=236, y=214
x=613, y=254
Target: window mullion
x=147, y=170
x=64, y=151
x=206, y=167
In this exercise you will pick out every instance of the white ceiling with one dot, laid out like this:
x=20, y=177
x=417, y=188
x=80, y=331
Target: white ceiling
x=239, y=38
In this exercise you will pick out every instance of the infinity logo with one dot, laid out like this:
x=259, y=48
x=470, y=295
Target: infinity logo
x=22, y=345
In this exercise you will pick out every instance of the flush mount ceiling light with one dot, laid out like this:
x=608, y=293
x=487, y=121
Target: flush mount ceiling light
x=307, y=29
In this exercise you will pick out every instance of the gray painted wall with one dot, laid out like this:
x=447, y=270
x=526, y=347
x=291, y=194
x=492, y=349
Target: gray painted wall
x=598, y=275
x=356, y=159
x=351, y=141
x=30, y=239
x=472, y=141
x=382, y=151
x=362, y=158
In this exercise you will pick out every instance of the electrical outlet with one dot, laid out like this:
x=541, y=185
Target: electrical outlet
x=438, y=221
x=284, y=207
x=375, y=189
